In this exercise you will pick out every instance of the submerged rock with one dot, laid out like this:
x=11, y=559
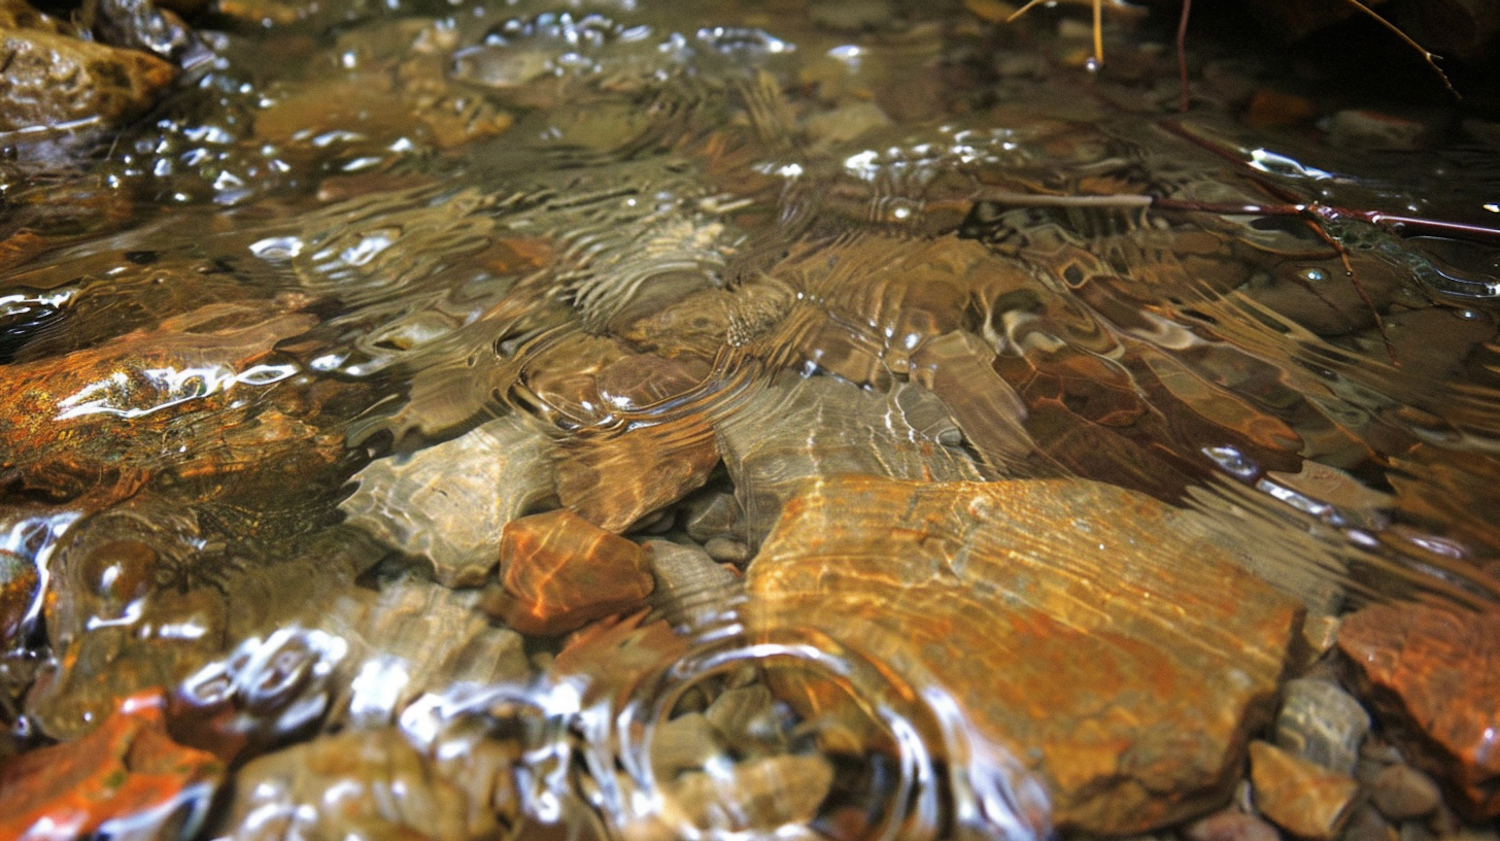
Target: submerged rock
x=1429, y=673
x=1121, y=659
x=804, y=427
x=1301, y=797
x=127, y=778
x=559, y=572
x=358, y=783
x=449, y=502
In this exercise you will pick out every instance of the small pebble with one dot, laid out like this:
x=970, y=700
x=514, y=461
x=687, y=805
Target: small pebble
x=712, y=516
x=1230, y=825
x=1401, y=792
x=728, y=550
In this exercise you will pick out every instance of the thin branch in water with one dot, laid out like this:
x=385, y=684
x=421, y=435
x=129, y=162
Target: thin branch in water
x=1427, y=56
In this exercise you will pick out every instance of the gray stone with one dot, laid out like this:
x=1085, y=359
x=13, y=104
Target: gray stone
x=686, y=578
x=1230, y=825
x=715, y=515
x=728, y=550
x=1321, y=723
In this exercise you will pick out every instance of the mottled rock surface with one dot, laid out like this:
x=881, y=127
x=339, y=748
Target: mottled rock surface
x=126, y=778
x=1433, y=675
x=1120, y=660
x=52, y=79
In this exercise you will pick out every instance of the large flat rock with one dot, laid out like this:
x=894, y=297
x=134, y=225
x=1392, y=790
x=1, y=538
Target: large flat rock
x=1120, y=659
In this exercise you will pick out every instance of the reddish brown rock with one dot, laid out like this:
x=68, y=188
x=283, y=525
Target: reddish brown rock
x=1077, y=623
x=1430, y=672
x=127, y=777
x=1301, y=797
x=559, y=572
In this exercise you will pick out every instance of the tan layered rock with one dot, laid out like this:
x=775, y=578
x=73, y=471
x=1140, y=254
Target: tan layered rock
x=559, y=572
x=1430, y=672
x=1077, y=623
x=1301, y=797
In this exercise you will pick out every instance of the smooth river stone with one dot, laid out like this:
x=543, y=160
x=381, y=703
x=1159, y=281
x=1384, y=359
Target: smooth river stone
x=1120, y=660
x=613, y=479
x=449, y=502
x=1432, y=675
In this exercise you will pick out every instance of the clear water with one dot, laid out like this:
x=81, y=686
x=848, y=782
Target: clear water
x=384, y=277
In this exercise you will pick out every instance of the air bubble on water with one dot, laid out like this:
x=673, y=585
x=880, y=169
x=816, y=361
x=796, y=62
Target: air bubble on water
x=1313, y=275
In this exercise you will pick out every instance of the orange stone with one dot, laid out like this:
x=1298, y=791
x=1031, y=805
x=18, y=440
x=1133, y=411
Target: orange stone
x=126, y=777
x=1082, y=626
x=560, y=572
x=1430, y=673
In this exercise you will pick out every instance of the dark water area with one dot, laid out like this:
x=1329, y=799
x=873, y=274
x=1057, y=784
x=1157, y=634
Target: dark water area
x=806, y=419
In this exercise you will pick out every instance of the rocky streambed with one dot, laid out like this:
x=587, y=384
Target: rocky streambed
x=806, y=419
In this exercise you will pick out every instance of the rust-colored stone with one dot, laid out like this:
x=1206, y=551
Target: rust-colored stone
x=560, y=572
x=1078, y=624
x=1301, y=797
x=127, y=776
x=1430, y=672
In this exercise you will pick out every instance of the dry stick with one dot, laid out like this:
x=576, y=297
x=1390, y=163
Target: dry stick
x=1428, y=57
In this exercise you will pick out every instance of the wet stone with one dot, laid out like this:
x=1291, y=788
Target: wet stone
x=1131, y=711
x=685, y=742
x=1321, y=723
x=727, y=550
x=1428, y=673
x=127, y=778
x=18, y=586
x=448, y=503
x=686, y=578
x=1367, y=824
x=715, y=515
x=1402, y=792
x=1303, y=798
x=759, y=794
x=51, y=79
x=559, y=572
x=1230, y=825
x=361, y=783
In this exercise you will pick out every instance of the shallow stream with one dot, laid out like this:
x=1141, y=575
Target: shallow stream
x=822, y=419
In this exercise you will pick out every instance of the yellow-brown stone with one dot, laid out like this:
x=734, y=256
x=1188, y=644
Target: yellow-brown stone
x=1078, y=624
x=1299, y=796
